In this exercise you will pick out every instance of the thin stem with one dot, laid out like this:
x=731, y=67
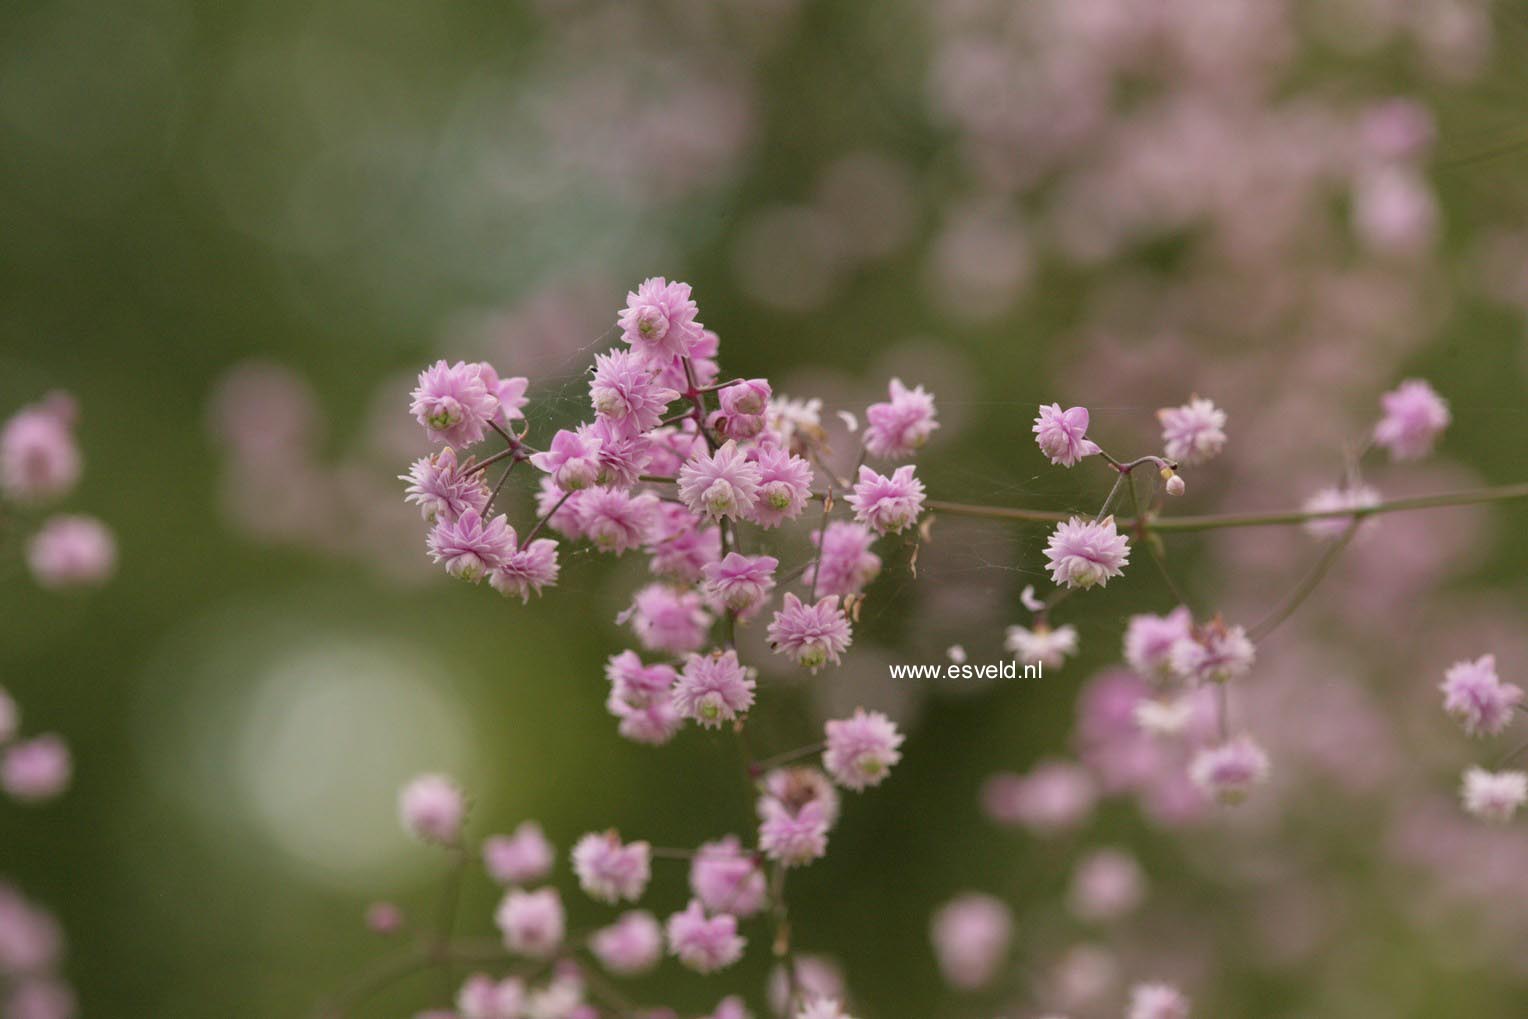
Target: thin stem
x=450, y=896
x=1280, y=518
x=544, y=518
x=782, y=945
x=789, y=756
x=494, y=495
x=488, y=461
x=1223, y=700
x=822, y=539
x=698, y=398
x=1306, y=585
x=1511, y=756
x=1119, y=482
x=1142, y=538
x=964, y=509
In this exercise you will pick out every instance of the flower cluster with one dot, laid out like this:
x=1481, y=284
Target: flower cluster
x=40, y=463
x=697, y=474
x=1477, y=698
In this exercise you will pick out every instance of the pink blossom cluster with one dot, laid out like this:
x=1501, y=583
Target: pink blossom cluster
x=699, y=475
x=1484, y=705
x=40, y=463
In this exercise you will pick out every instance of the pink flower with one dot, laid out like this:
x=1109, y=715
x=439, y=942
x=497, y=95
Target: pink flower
x=39, y=460
x=798, y=809
x=432, y=809
x=526, y=569
x=785, y=485
x=623, y=459
x=845, y=563
x=573, y=460
x=481, y=997
x=1107, y=885
x=626, y=392
x=1156, y=1001
x=609, y=871
x=748, y=397
x=1343, y=497
x=1477, y=698
x=30, y=938
x=631, y=945
x=861, y=749
x=726, y=879
x=667, y=619
x=440, y=488
x=704, y=944
x=812, y=635
x=532, y=923
x=454, y=402
x=1054, y=797
x=641, y=697
x=681, y=544
x=1194, y=432
x=41, y=997
x=714, y=688
x=1494, y=796
x=1396, y=129
x=72, y=551
x=816, y=977
x=741, y=583
x=1227, y=773
x=519, y=858
x=971, y=934
x=1042, y=644
x=616, y=520
x=511, y=395
x=1060, y=434
x=1085, y=552
x=1394, y=209
x=1414, y=415
x=384, y=918
x=730, y=1007
x=741, y=415
x=37, y=769
x=636, y=683
x=1214, y=653
x=653, y=723
x=721, y=485
x=470, y=549
x=1149, y=642
x=560, y=508
x=659, y=322
x=887, y=505
x=899, y=427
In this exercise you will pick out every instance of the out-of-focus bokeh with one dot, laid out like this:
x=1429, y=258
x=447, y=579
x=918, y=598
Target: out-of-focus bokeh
x=235, y=231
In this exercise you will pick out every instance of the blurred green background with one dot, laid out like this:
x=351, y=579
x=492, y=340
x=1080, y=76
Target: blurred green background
x=332, y=187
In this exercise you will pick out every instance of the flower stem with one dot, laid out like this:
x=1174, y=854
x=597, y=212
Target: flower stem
x=1303, y=589
x=1282, y=518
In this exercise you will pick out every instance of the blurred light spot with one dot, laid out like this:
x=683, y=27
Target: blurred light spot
x=286, y=742
x=329, y=736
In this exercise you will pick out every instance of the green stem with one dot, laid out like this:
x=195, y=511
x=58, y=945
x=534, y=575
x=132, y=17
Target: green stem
x=1283, y=518
x=1307, y=584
